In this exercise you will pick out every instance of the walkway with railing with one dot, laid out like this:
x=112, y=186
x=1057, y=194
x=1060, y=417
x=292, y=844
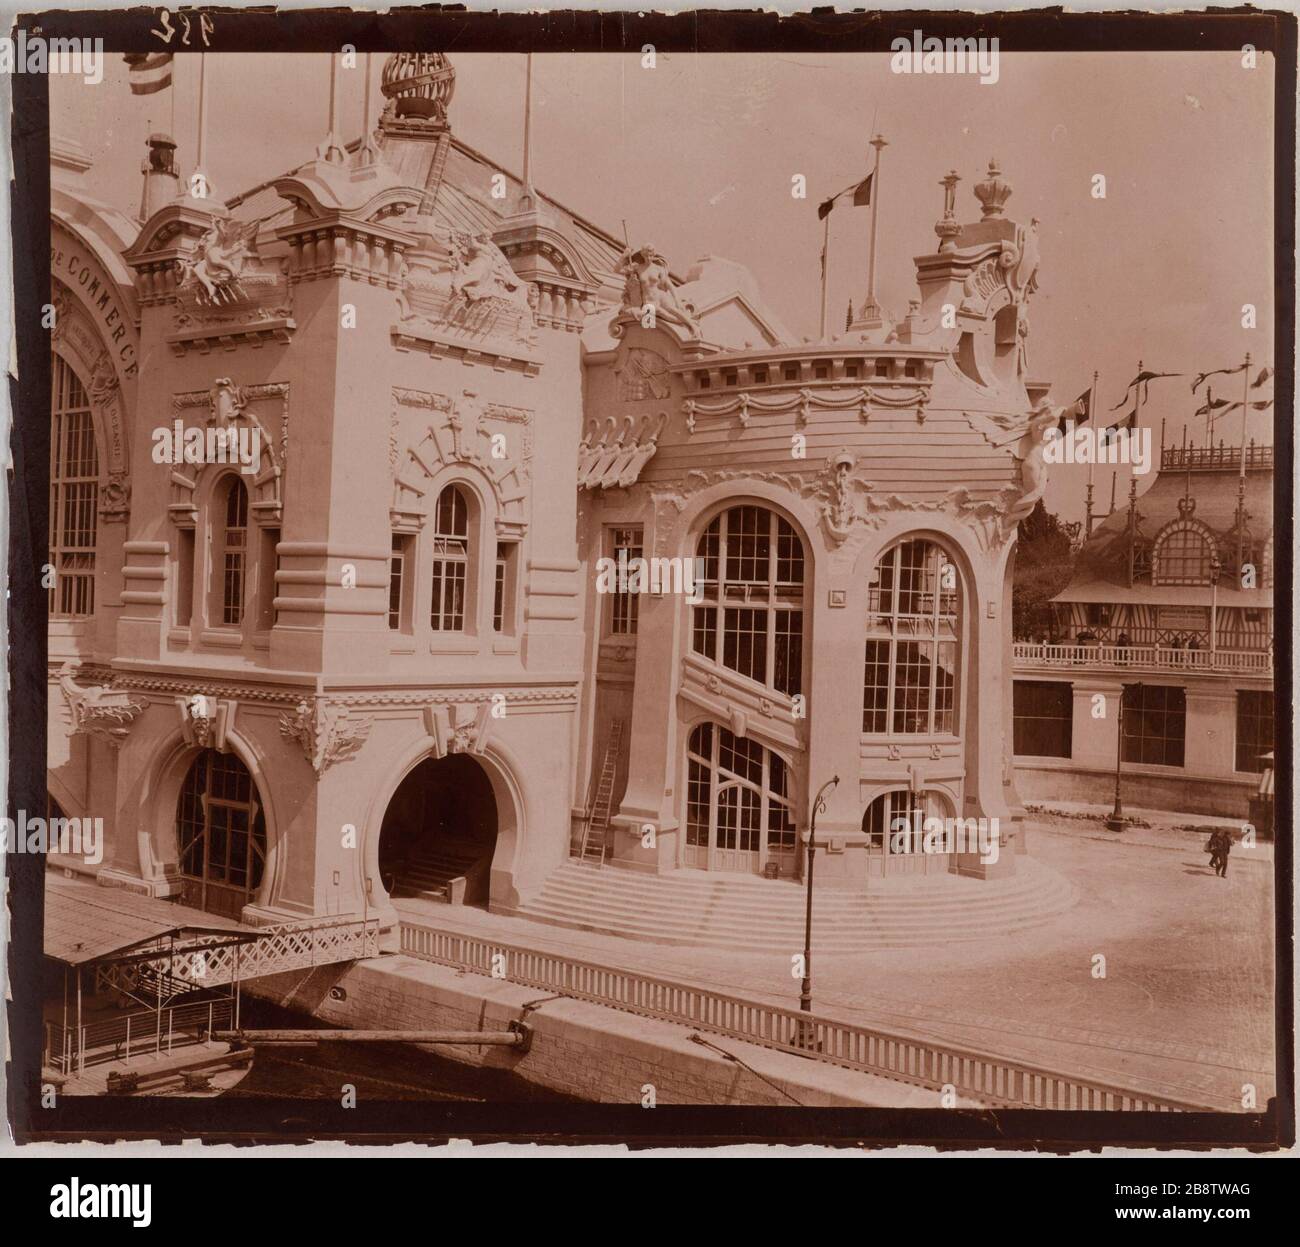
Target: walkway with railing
x=979, y=1075
x=70, y=1049
x=1144, y=658
x=291, y=946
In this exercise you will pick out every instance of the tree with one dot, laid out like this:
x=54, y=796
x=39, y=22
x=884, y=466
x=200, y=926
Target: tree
x=1046, y=551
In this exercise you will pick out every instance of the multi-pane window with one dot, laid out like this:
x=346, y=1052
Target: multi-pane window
x=74, y=496
x=1155, y=724
x=886, y=834
x=1254, y=728
x=499, y=587
x=738, y=811
x=750, y=618
x=234, y=552
x=1182, y=557
x=1043, y=718
x=450, y=561
x=910, y=674
x=396, y=580
x=624, y=546
x=222, y=834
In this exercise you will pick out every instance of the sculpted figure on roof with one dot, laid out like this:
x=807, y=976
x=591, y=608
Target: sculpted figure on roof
x=648, y=284
x=481, y=271
x=220, y=259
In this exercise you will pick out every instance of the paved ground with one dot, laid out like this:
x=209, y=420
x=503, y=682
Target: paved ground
x=1185, y=1007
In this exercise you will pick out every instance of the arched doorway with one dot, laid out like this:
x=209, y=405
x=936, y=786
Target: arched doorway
x=440, y=832
x=221, y=831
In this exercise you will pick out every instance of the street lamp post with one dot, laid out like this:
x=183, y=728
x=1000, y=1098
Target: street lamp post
x=1116, y=820
x=804, y=1035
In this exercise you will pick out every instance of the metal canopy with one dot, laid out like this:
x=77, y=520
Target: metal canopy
x=85, y=922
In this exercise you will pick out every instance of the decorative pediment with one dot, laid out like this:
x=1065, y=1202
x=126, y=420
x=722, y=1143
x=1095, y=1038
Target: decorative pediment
x=99, y=710
x=494, y=439
x=234, y=409
x=327, y=733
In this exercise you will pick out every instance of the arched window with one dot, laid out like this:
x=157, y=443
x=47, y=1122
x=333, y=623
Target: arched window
x=451, y=552
x=750, y=618
x=910, y=682
x=232, y=550
x=895, y=825
x=1183, y=556
x=738, y=813
x=222, y=834
x=74, y=496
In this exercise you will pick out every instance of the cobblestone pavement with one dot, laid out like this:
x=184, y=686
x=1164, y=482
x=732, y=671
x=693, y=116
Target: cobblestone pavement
x=1185, y=1007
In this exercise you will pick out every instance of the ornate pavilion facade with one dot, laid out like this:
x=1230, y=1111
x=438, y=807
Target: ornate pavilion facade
x=377, y=657
x=1171, y=609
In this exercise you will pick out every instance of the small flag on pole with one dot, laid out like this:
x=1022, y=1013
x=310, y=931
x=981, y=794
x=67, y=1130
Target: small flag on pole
x=1264, y=375
x=861, y=197
x=1143, y=380
x=149, y=71
x=1218, y=372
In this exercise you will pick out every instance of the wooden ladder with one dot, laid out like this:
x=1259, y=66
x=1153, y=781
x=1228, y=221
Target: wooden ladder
x=595, y=833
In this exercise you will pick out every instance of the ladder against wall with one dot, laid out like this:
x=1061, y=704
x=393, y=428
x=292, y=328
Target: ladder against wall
x=595, y=833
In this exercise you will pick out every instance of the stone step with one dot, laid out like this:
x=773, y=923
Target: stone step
x=835, y=943
x=586, y=888
x=767, y=916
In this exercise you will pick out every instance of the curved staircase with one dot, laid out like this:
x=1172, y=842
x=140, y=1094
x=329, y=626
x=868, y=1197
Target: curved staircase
x=743, y=913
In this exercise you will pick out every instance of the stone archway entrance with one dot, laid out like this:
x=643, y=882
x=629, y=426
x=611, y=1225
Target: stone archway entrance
x=440, y=832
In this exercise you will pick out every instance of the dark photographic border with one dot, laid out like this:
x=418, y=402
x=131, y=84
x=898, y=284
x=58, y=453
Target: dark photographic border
x=225, y=1119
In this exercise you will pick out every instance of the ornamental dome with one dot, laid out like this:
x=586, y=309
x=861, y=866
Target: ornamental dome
x=419, y=84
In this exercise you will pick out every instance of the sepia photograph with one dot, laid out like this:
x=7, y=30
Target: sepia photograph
x=556, y=582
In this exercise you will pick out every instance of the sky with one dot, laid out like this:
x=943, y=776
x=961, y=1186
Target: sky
x=697, y=156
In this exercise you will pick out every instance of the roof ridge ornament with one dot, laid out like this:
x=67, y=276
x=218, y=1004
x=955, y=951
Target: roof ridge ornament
x=993, y=193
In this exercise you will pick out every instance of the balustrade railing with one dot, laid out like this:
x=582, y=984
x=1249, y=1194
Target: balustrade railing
x=1143, y=657
x=979, y=1075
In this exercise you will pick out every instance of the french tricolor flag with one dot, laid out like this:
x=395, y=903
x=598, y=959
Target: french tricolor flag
x=149, y=71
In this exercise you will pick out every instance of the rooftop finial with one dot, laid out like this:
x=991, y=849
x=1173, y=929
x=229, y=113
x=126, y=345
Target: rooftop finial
x=420, y=86
x=993, y=193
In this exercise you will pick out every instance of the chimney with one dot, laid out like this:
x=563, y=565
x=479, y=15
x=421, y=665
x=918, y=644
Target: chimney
x=161, y=178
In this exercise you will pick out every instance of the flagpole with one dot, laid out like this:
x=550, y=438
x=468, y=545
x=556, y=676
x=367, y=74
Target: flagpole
x=1241, y=475
x=826, y=242
x=201, y=179
x=878, y=143
x=528, y=125
x=1209, y=414
x=1092, y=460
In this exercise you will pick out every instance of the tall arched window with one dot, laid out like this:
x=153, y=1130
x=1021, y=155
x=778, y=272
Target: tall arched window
x=222, y=834
x=232, y=550
x=1183, y=556
x=74, y=496
x=451, y=552
x=738, y=813
x=750, y=618
x=910, y=681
